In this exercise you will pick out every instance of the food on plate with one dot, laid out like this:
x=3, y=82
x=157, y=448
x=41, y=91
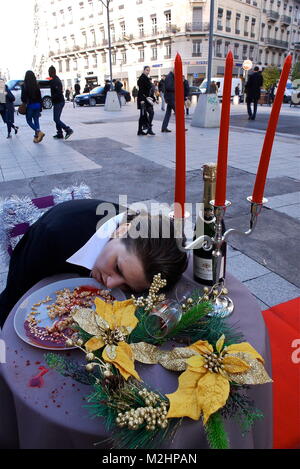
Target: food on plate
x=59, y=311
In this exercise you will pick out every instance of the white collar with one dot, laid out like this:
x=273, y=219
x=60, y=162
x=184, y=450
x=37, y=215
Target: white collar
x=88, y=254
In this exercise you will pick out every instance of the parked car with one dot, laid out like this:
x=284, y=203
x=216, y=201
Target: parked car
x=97, y=96
x=194, y=91
x=15, y=87
x=289, y=88
x=220, y=83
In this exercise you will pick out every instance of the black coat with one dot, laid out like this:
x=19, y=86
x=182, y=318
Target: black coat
x=56, y=90
x=253, y=85
x=170, y=89
x=31, y=96
x=145, y=87
x=8, y=111
x=43, y=250
x=186, y=89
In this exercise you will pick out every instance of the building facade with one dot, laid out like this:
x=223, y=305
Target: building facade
x=73, y=36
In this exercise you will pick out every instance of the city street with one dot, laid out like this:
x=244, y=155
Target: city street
x=106, y=153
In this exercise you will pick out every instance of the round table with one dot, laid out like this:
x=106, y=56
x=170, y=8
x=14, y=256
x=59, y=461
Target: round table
x=54, y=416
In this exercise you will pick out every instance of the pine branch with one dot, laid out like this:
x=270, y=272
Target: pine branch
x=69, y=368
x=216, y=433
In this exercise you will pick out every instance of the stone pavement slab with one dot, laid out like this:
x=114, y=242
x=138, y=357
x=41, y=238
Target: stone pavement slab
x=272, y=289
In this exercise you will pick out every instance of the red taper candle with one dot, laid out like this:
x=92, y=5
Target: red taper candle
x=220, y=197
x=180, y=141
x=261, y=176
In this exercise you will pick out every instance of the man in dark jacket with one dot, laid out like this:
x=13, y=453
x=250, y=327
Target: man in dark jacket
x=58, y=102
x=186, y=91
x=161, y=89
x=7, y=112
x=144, y=104
x=170, y=100
x=252, y=89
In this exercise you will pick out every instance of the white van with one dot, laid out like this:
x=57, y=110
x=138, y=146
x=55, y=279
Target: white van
x=220, y=83
x=15, y=87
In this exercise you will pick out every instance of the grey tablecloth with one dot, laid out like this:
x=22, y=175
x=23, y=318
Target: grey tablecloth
x=54, y=416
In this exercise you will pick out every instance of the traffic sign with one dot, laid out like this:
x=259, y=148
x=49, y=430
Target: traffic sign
x=247, y=65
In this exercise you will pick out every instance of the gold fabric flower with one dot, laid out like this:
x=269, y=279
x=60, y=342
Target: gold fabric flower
x=110, y=324
x=204, y=387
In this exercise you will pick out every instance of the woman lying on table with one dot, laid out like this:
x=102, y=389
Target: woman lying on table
x=72, y=238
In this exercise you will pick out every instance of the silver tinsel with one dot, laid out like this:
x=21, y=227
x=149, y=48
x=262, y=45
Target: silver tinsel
x=81, y=191
x=16, y=210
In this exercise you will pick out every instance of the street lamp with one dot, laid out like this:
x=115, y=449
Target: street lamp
x=210, y=44
x=106, y=4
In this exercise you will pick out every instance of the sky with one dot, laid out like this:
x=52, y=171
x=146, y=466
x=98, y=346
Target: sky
x=16, y=37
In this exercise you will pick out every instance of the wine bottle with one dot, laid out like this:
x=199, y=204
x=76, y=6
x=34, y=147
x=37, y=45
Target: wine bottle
x=202, y=259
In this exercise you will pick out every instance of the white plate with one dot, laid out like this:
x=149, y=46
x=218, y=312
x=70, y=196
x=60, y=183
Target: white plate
x=49, y=290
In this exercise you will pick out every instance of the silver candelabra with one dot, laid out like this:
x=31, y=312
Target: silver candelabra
x=218, y=294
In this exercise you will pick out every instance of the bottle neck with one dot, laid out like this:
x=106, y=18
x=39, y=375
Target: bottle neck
x=209, y=194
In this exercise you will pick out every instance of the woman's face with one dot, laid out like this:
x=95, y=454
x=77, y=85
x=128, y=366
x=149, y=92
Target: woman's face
x=117, y=267
x=147, y=71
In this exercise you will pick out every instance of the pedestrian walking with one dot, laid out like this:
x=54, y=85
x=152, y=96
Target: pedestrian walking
x=271, y=94
x=7, y=111
x=186, y=91
x=86, y=89
x=32, y=98
x=67, y=94
x=213, y=89
x=170, y=100
x=144, y=103
x=161, y=88
x=58, y=105
x=118, y=88
x=134, y=93
x=106, y=88
x=252, y=89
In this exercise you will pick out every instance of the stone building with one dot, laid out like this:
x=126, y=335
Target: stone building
x=73, y=35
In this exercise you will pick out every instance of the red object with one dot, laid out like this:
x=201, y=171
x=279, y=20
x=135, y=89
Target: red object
x=283, y=323
x=38, y=380
x=180, y=141
x=224, y=133
x=261, y=176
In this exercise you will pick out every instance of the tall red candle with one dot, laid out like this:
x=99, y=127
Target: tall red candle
x=180, y=176
x=224, y=133
x=263, y=166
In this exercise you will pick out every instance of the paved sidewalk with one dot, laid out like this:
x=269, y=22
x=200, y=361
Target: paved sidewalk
x=106, y=153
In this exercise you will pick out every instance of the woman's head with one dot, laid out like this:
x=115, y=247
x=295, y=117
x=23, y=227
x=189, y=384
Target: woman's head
x=146, y=70
x=30, y=79
x=141, y=249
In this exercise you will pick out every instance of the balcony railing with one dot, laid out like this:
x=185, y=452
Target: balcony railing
x=196, y=27
x=285, y=20
x=272, y=15
x=297, y=45
x=276, y=42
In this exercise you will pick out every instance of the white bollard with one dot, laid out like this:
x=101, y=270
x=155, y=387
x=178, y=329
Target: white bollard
x=236, y=100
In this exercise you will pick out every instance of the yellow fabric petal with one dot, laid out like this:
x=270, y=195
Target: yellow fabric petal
x=184, y=401
x=235, y=365
x=124, y=314
x=105, y=310
x=202, y=347
x=94, y=344
x=220, y=343
x=213, y=391
x=245, y=347
x=196, y=364
x=124, y=360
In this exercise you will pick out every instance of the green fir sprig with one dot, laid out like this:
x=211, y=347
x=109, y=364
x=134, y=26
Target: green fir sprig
x=215, y=431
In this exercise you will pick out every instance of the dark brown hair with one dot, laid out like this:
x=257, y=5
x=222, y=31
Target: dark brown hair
x=158, y=253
